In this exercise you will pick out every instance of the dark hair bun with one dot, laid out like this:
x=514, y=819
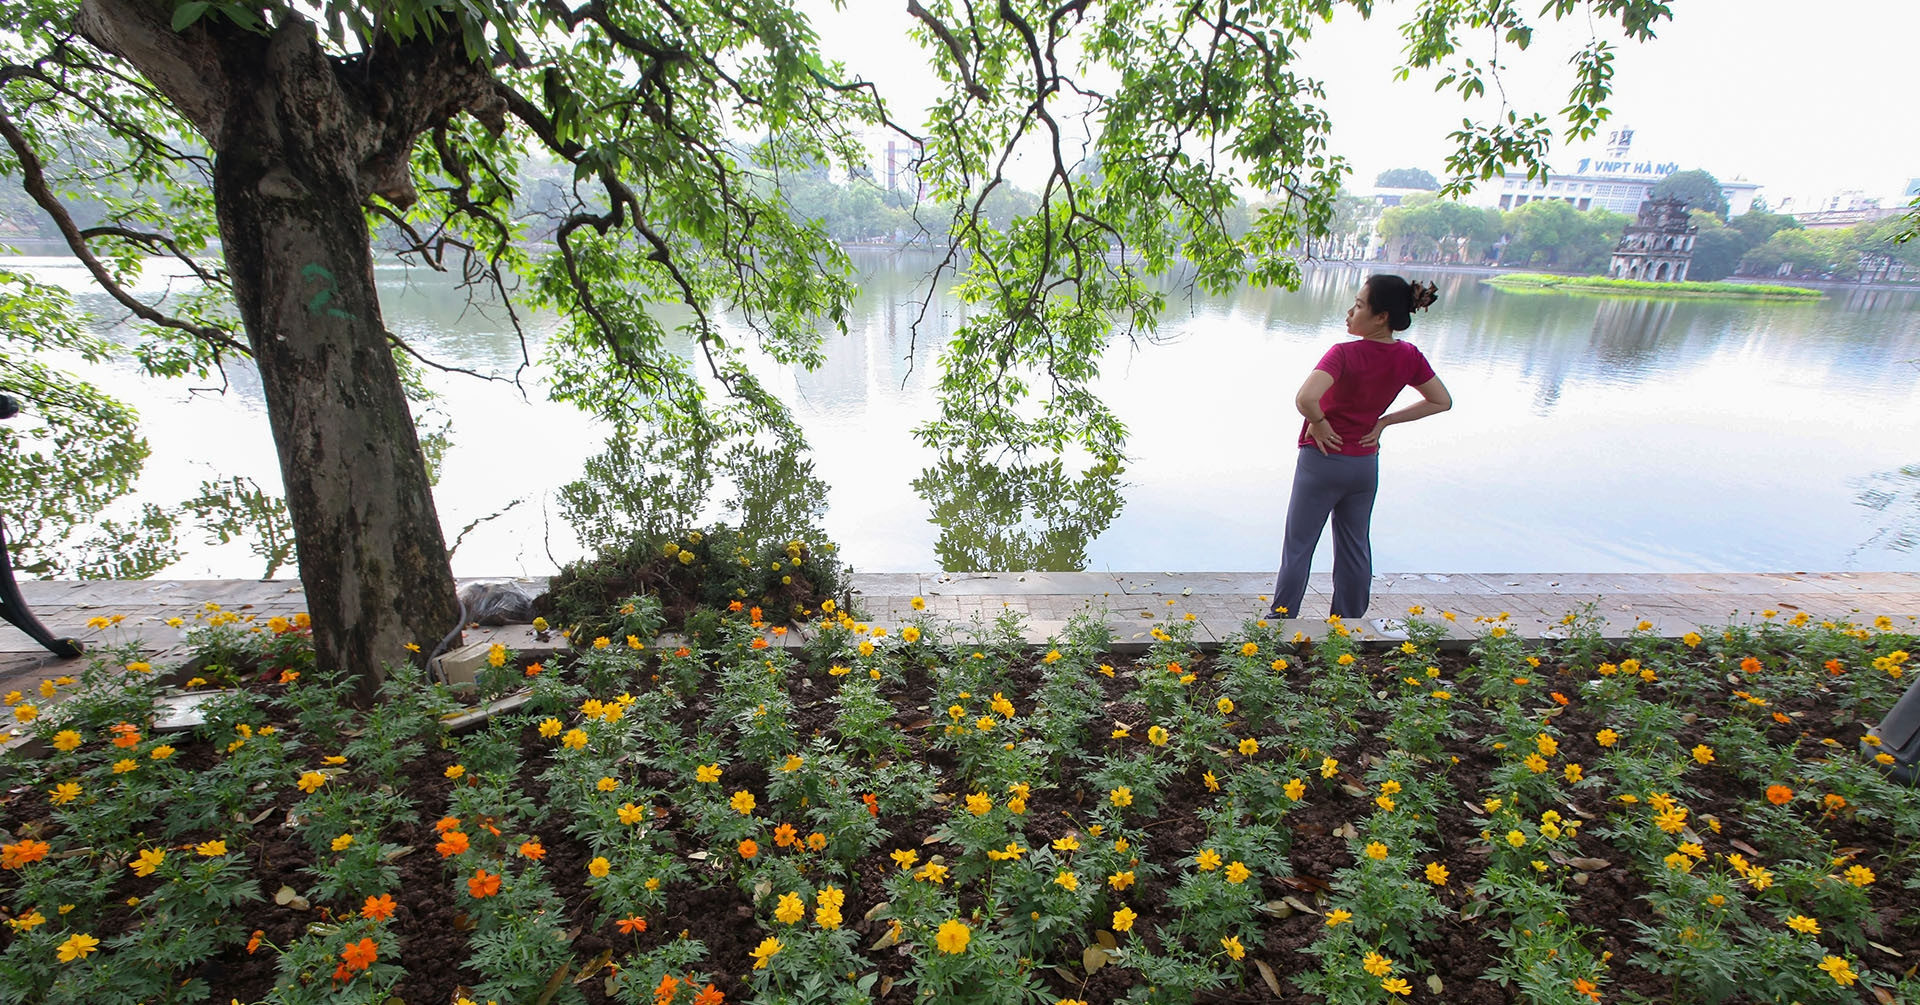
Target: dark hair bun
x=1424, y=296
x=1398, y=299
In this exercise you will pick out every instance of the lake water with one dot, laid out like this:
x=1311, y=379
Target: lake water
x=1588, y=434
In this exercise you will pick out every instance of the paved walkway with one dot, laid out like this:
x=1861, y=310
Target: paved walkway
x=1131, y=603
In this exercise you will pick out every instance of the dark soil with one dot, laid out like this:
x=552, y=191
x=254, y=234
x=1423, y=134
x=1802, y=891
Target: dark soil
x=434, y=937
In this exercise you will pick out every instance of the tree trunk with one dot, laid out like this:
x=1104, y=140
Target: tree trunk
x=288, y=191
x=302, y=139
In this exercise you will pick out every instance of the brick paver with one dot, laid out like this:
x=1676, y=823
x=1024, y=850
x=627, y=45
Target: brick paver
x=1130, y=603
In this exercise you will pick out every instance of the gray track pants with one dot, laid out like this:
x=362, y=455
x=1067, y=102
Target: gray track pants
x=1342, y=487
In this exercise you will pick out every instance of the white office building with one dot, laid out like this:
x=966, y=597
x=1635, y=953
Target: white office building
x=1612, y=178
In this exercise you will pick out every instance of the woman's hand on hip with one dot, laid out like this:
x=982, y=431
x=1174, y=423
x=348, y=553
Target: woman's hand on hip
x=1372, y=439
x=1323, y=435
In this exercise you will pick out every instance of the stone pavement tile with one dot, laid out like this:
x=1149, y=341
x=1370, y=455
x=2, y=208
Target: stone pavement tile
x=1199, y=583
x=1017, y=583
x=902, y=583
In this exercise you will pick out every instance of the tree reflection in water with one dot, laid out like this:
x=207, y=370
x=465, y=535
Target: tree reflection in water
x=660, y=481
x=1017, y=516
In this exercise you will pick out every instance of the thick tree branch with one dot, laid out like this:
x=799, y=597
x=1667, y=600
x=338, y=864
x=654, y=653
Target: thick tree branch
x=34, y=180
x=180, y=64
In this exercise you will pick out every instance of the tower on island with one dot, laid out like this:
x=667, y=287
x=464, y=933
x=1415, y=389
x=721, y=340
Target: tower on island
x=1658, y=246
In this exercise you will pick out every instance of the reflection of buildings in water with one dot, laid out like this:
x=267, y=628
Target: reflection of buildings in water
x=1630, y=331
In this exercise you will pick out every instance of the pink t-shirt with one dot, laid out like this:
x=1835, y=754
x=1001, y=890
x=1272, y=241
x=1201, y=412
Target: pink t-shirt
x=1367, y=376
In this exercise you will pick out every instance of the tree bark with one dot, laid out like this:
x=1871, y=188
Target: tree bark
x=299, y=146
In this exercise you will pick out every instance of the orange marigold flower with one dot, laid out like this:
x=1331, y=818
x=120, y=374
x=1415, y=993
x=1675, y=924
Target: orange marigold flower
x=533, y=849
x=785, y=836
x=360, y=955
x=253, y=943
x=735, y=606
x=1833, y=801
x=483, y=884
x=628, y=926
x=1558, y=698
x=1834, y=668
x=664, y=991
x=445, y=824
x=452, y=843
x=20, y=853
x=709, y=995
x=1779, y=795
x=748, y=849
x=1588, y=988
x=873, y=803
x=378, y=908
x=758, y=643
x=1750, y=665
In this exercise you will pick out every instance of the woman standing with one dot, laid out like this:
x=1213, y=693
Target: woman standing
x=1338, y=471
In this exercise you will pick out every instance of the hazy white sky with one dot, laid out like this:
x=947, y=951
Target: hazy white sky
x=1804, y=97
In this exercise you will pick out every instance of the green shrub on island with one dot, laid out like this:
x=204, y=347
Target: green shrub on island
x=1638, y=287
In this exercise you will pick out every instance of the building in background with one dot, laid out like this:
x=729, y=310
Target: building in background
x=1613, y=179
x=1839, y=210
x=891, y=164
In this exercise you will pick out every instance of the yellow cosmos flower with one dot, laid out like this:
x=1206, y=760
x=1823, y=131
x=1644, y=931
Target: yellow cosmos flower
x=1377, y=965
x=147, y=862
x=1249, y=746
x=343, y=842
x=1329, y=767
x=1338, y=916
x=77, y=947
x=1703, y=754
x=210, y=849
x=64, y=793
x=1233, y=947
x=742, y=802
x=1156, y=736
x=1208, y=860
x=1237, y=872
x=979, y=804
x=1376, y=851
x=599, y=867
x=550, y=727
x=1437, y=874
x=66, y=740
x=1121, y=797
x=707, y=773
x=1398, y=985
x=1803, y=924
x=953, y=937
x=1123, y=919
x=1837, y=968
x=791, y=908
x=1065, y=844
x=768, y=949
x=574, y=739
x=793, y=763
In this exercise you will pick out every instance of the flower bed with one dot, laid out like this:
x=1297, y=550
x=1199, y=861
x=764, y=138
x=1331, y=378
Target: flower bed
x=944, y=814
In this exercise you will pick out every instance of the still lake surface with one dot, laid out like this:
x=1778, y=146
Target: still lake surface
x=1589, y=434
